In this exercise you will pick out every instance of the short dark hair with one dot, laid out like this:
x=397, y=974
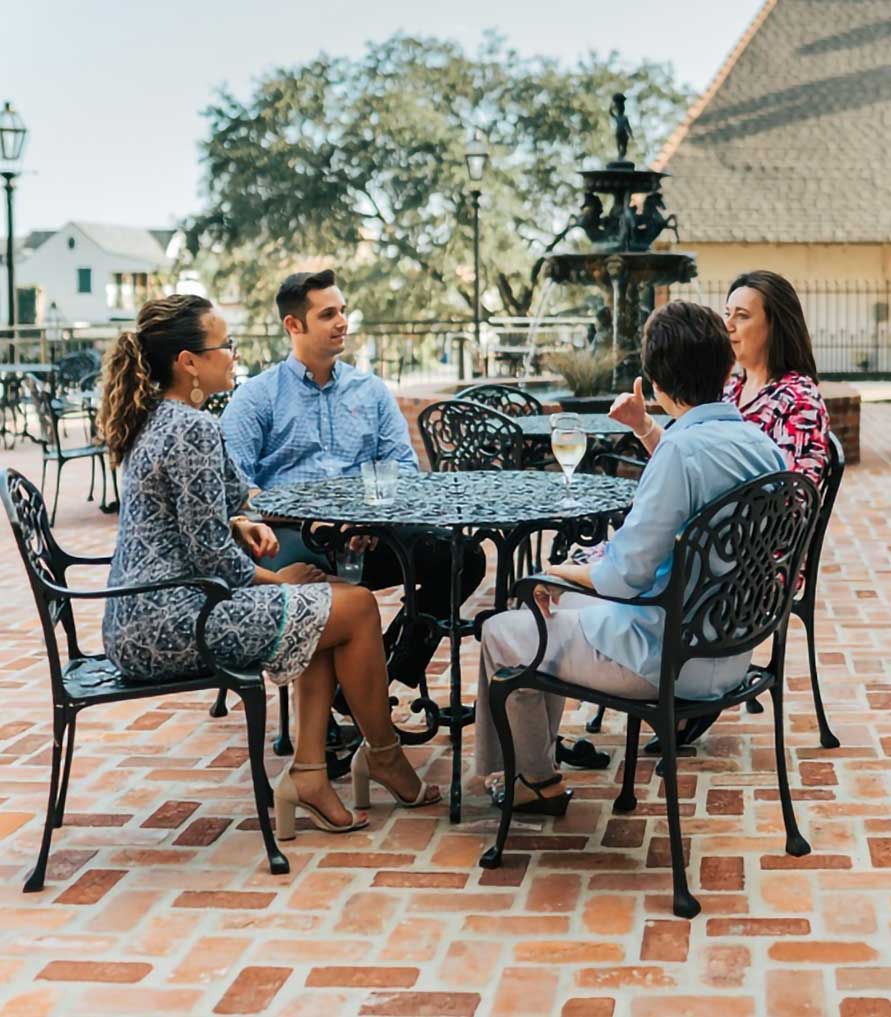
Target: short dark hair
x=789, y=345
x=687, y=352
x=293, y=294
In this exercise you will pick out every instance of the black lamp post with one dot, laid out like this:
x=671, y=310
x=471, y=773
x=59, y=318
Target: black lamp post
x=12, y=143
x=476, y=155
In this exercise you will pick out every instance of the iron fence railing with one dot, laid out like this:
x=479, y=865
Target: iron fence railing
x=848, y=322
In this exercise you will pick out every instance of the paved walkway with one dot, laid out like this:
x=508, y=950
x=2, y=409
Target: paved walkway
x=158, y=899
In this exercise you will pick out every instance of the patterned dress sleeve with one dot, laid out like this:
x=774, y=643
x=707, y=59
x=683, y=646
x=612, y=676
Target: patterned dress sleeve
x=195, y=467
x=801, y=427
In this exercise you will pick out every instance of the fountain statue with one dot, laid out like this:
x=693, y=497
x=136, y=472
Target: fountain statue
x=621, y=262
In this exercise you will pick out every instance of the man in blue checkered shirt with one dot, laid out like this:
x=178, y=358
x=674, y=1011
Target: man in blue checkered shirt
x=313, y=416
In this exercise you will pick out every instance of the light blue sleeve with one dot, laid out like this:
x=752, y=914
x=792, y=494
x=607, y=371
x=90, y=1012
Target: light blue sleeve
x=640, y=552
x=245, y=422
x=393, y=441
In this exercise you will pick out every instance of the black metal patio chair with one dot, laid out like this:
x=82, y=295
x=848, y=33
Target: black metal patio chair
x=507, y=399
x=734, y=570
x=73, y=368
x=460, y=435
x=51, y=416
x=91, y=679
x=806, y=597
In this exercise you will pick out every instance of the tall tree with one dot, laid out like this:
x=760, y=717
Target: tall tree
x=361, y=162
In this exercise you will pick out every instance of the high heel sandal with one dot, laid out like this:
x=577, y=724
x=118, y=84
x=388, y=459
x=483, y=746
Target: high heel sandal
x=287, y=800
x=556, y=805
x=361, y=777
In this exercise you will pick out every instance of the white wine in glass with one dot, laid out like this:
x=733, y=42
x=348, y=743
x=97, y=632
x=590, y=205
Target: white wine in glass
x=569, y=446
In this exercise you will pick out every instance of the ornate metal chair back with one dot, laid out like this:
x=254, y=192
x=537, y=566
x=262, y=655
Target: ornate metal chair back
x=510, y=401
x=42, y=403
x=735, y=569
x=45, y=563
x=829, y=485
x=73, y=367
x=460, y=436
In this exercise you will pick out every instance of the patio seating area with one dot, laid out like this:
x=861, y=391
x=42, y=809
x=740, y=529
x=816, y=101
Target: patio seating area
x=158, y=896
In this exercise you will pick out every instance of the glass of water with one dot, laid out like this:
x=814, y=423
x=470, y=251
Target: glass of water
x=349, y=564
x=379, y=480
x=569, y=444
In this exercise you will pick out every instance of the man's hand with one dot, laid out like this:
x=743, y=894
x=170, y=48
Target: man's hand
x=258, y=539
x=630, y=408
x=301, y=572
x=363, y=543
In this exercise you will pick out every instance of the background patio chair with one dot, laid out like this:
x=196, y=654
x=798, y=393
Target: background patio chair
x=507, y=399
x=460, y=435
x=51, y=415
x=91, y=679
x=733, y=578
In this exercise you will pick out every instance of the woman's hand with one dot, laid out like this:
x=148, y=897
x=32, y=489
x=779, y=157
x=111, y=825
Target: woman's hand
x=258, y=539
x=363, y=542
x=545, y=596
x=630, y=408
x=301, y=572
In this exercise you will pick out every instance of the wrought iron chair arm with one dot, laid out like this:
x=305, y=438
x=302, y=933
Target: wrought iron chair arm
x=77, y=559
x=523, y=589
x=216, y=590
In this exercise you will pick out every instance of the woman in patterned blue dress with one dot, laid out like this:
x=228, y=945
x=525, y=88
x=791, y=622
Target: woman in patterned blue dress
x=181, y=496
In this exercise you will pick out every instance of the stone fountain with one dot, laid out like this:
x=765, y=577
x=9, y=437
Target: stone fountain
x=621, y=262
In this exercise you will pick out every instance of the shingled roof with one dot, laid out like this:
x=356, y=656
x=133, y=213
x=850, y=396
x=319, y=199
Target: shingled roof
x=791, y=143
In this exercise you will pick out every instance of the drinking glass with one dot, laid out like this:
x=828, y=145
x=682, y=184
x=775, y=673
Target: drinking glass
x=349, y=564
x=568, y=443
x=380, y=479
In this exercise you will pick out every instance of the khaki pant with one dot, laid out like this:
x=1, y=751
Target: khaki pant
x=510, y=639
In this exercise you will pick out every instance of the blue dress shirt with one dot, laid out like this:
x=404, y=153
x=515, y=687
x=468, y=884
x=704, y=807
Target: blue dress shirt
x=281, y=427
x=707, y=451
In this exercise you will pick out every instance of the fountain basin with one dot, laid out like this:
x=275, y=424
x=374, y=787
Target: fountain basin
x=649, y=268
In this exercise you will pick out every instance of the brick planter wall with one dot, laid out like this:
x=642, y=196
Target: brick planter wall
x=842, y=401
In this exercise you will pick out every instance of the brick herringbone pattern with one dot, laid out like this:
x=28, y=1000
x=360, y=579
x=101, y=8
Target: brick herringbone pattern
x=158, y=898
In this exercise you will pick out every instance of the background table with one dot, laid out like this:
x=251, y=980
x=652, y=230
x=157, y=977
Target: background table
x=504, y=507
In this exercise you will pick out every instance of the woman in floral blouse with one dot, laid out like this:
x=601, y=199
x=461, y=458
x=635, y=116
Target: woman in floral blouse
x=180, y=497
x=776, y=386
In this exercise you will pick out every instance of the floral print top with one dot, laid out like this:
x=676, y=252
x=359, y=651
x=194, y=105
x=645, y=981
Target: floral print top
x=790, y=410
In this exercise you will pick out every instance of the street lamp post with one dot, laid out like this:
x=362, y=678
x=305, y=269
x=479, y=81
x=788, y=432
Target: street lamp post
x=476, y=155
x=12, y=143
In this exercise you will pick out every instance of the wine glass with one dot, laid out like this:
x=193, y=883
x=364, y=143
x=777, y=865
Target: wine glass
x=569, y=444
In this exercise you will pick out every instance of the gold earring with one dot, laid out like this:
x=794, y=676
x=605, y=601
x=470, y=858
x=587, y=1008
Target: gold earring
x=196, y=395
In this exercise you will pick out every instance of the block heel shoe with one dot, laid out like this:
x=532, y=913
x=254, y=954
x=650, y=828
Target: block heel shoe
x=362, y=777
x=287, y=800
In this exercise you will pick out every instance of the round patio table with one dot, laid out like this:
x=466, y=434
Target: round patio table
x=502, y=506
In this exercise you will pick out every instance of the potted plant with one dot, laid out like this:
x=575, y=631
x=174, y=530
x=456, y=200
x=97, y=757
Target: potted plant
x=589, y=376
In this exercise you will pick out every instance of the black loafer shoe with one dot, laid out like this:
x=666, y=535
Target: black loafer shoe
x=581, y=754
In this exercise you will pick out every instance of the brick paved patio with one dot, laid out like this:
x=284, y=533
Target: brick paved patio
x=158, y=899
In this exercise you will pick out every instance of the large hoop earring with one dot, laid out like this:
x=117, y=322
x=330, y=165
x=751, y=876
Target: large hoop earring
x=196, y=395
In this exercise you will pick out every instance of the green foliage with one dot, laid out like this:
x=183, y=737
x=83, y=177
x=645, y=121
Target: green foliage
x=360, y=163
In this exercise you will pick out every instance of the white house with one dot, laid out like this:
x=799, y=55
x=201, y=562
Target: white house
x=92, y=272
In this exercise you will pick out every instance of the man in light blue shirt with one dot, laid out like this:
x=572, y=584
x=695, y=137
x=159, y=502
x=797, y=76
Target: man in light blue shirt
x=707, y=451
x=311, y=417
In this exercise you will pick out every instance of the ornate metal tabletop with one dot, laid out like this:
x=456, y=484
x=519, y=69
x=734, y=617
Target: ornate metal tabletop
x=484, y=498
x=503, y=507
x=593, y=424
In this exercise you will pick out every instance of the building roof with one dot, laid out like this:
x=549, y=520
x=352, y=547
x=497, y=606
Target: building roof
x=128, y=241
x=791, y=143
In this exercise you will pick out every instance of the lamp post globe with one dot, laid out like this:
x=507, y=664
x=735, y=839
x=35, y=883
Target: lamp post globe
x=13, y=134
x=476, y=156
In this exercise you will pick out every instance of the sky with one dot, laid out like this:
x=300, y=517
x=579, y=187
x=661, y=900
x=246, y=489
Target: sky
x=112, y=90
